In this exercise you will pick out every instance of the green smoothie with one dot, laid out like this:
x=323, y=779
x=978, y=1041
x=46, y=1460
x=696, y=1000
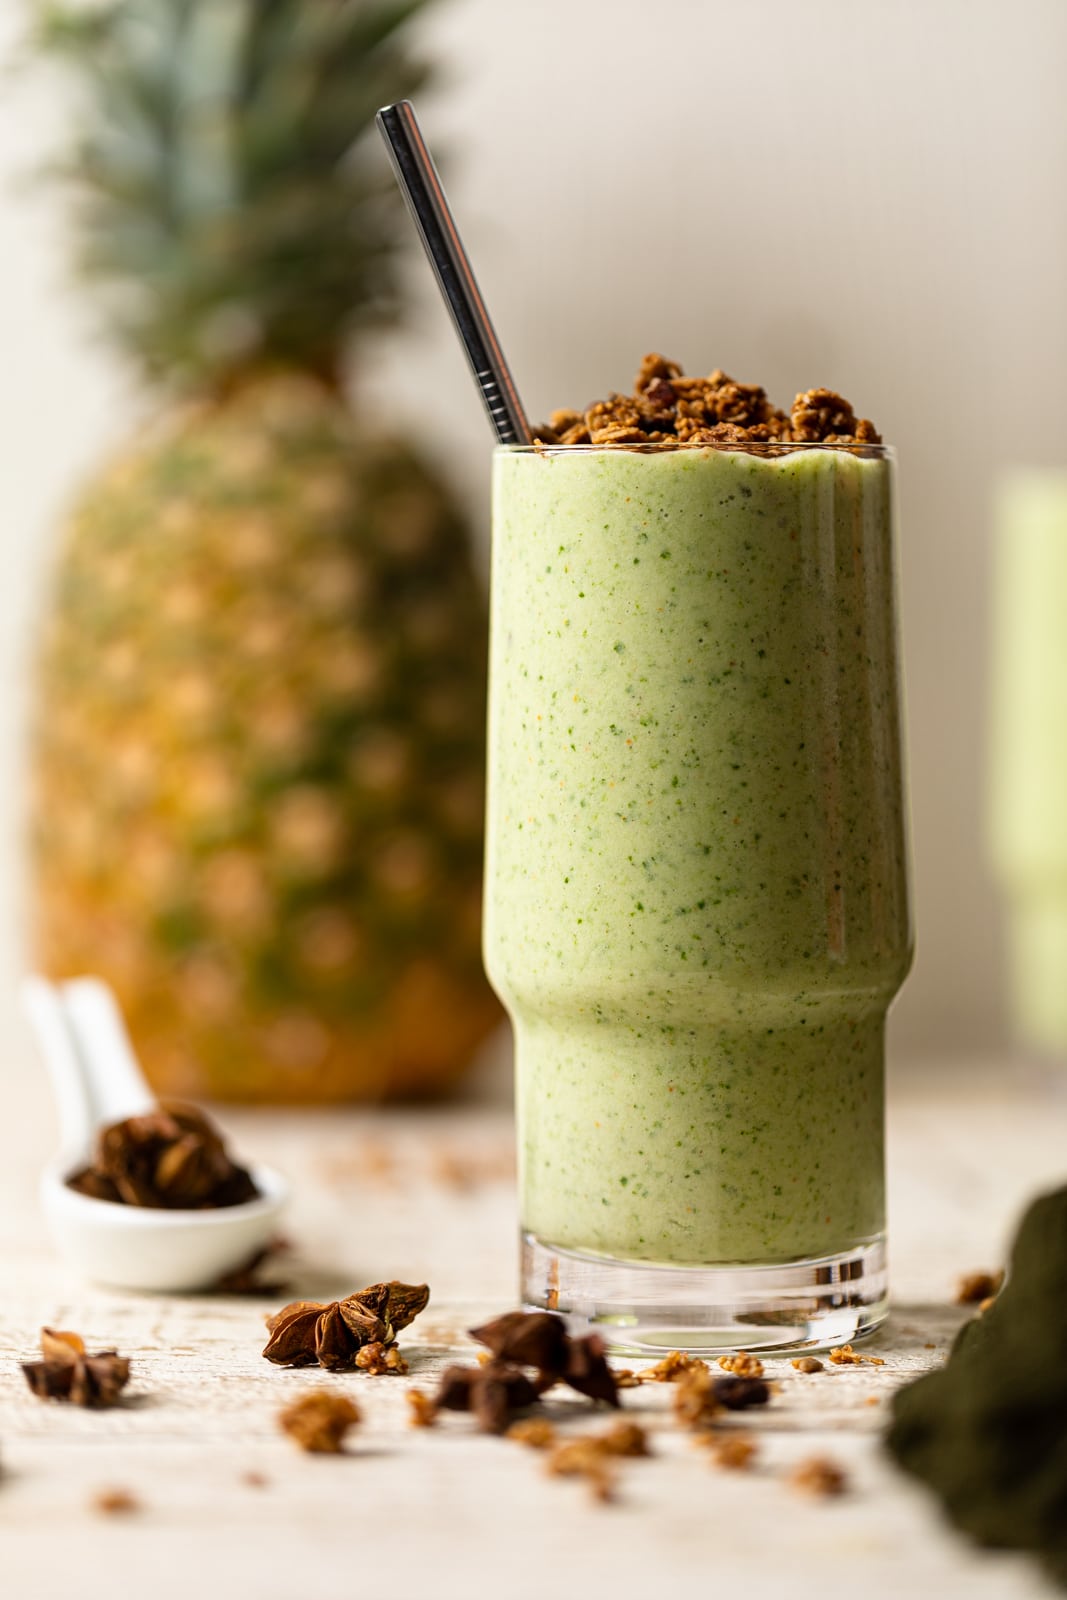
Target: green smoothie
x=697, y=908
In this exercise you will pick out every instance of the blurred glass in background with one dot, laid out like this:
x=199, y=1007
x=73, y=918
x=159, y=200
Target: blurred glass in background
x=1028, y=748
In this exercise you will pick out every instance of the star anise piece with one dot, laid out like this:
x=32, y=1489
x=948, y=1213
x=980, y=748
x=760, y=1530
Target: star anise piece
x=171, y=1159
x=330, y=1333
x=493, y=1393
x=67, y=1372
x=527, y=1339
x=587, y=1370
x=540, y=1339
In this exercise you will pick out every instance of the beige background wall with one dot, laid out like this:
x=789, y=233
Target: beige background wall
x=872, y=197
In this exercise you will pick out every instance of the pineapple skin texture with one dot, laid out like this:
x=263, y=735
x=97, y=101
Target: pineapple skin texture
x=258, y=755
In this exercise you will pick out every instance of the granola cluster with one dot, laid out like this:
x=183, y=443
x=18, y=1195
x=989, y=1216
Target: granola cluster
x=671, y=410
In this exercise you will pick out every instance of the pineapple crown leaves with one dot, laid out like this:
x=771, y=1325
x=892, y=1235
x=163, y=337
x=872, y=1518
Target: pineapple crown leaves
x=229, y=206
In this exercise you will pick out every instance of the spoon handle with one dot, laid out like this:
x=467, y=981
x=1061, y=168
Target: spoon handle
x=48, y=1019
x=112, y=1073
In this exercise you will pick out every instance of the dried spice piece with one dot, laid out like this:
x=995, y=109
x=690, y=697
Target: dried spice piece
x=733, y=1451
x=668, y=410
x=172, y=1159
x=67, y=1372
x=534, y=1432
x=587, y=1370
x=115, y=1502
x=311, y=1333
x=319, y=1422
x=807, y=1364
x=539, y=1339
x=974, y=1288
x=742, y=1365
x=493, y=1393
x=527, y=1339
x=738, y=1394
x=845, y=1356
x=422, y=1411
x=818, y=1475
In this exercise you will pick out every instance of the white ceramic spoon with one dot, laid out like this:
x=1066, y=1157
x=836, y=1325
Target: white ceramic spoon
x=97, y=1079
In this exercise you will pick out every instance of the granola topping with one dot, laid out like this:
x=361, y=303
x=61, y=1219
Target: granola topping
x=671, y=410
x=819, y=1476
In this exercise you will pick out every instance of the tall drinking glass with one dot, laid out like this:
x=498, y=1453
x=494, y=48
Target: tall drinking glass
x=697, y=903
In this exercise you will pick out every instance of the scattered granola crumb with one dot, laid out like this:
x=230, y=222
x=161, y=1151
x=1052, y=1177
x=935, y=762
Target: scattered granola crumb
x=379, y=1360
x=585, y=1458
x=672, y=1368
x=626, y=1378
x=422, y=1409
x=818, y=1475
x=625, y=1439
x=670, y=410
x=255, y=1480
x=845, y=1356
x=930, y=1345
x=694, y=1401
x=733, y=1451
x=742, y=1365
x=534, y=1432
x=807, y=1364
x=873, y=1400
x=975, y=1287
x=319, y=1422
x=115, y=1502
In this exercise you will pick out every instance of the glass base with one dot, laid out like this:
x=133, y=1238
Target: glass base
x=641, y=1308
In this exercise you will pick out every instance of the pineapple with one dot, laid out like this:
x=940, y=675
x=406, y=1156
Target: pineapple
x=258, y=742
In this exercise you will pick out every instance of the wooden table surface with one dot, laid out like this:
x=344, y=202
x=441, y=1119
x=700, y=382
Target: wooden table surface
x=448, y=1512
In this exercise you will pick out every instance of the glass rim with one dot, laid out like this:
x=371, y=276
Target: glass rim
x=742, y=447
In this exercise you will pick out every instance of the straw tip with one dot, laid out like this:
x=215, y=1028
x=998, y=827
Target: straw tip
x=391, y=113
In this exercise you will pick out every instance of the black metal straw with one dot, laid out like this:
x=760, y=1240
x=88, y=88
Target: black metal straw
x=417, y=176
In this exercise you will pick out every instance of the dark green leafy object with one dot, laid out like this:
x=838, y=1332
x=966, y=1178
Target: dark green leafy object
x=988, y=1432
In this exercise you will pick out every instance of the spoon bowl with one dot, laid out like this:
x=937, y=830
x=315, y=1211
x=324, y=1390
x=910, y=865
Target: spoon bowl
x=97, y=1080
x=165, y=1252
